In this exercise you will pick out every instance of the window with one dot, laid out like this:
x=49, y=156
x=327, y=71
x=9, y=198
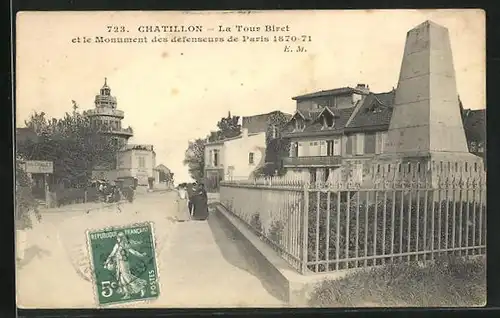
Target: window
x=329, y=147
x=360, y=143
x=251, y=158
x=299, y=124
x=328, y=121
x=466, y=167
x=216, y=158
x=456, y=166
x=475, y=166
x=323, y=148
x=370, y=143
x=142, y=162
x=350, y=144
x=380, y=137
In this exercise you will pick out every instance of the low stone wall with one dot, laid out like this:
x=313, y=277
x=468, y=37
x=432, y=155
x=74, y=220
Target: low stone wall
x=293, y=287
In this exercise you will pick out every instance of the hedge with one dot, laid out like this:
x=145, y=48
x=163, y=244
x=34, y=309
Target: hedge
x=400, y=223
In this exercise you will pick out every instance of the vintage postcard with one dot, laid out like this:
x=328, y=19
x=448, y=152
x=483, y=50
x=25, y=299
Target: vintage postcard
x=209, y=159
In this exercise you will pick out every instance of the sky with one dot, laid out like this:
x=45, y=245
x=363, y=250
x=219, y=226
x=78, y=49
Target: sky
x=175, y=92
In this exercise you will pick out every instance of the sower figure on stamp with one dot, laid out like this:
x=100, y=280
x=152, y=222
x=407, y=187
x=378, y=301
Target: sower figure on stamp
x=118, y=261
x=183, y=213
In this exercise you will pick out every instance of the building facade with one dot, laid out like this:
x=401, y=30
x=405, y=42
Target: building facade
x=234, y=158
x=137, y=161
x=331, y=126
x=242, y=156
x=163, y=176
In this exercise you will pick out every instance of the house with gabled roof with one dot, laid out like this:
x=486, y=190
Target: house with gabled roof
x=335, y=125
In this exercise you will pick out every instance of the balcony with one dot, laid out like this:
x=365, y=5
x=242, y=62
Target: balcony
x=100, y=111
x=316, y=161
x=129, y=132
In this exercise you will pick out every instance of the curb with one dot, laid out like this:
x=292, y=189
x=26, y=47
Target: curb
x=292, y=286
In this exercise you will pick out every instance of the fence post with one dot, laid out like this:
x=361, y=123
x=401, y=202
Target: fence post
x=305, y=228
x=85, y=197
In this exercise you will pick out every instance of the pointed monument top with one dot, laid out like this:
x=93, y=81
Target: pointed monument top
x=428, y=23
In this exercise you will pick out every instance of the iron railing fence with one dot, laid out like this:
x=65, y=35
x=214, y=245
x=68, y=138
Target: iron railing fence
x=330, y=226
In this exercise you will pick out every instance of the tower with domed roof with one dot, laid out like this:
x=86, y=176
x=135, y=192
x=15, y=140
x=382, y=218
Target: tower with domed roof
x=107, y=116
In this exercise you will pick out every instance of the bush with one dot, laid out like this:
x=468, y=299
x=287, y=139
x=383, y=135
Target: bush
x=450, y=282
x=25, y=205
x=25, y=201
x=276, y=231
x=256, y=223
x=371, y=220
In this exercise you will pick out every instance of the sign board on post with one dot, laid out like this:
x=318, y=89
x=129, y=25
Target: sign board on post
x=39, y=167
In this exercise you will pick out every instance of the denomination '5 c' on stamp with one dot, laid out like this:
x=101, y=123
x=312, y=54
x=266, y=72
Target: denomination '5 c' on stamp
x=124, y=263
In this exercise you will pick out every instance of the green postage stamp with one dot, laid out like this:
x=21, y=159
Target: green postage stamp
x=124, y=263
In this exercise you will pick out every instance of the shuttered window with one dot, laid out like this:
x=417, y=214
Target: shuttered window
x=360, y=142
x=350, y=144
x=370, y=143
x=336, y=147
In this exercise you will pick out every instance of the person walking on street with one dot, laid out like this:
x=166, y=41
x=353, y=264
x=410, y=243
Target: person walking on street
x=191, y=195
x=200, y=201
x=182, y=204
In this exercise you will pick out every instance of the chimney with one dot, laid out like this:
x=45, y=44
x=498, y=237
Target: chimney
x=363, y=87
x=244, y=132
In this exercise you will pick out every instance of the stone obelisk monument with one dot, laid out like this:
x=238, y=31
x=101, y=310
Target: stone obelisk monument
x=426, y=125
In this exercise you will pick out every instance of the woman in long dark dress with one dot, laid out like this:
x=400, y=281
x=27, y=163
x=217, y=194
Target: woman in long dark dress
x=200, y=201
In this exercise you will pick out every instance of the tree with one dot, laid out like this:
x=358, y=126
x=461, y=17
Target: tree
x=228, y=127
x=277, y=147
x=73, y=143
x=194, y=158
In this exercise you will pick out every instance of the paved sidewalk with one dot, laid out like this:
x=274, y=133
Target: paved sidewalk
x=206, y=267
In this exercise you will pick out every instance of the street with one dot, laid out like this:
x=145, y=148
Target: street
x=200, y=264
